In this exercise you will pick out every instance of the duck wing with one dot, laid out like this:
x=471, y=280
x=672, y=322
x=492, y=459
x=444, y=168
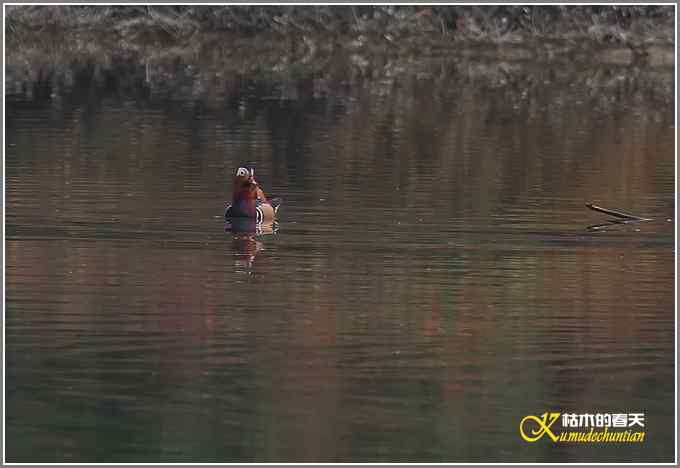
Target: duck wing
x=275, y=202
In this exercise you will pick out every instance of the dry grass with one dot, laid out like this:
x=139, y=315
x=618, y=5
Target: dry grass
x=497, y=24
x=213, y=47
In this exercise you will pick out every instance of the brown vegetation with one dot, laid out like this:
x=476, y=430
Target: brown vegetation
x=196, y=52
x=494, y=23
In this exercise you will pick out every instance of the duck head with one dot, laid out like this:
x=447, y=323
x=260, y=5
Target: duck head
x=244, y=183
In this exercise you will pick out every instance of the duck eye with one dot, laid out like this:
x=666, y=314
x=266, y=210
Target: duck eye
x=242, y=172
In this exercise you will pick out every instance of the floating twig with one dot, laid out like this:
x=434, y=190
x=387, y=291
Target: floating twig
x=618, y=214
x=621, y=218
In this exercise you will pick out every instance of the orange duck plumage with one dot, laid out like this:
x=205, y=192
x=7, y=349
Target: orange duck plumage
x=248, y=201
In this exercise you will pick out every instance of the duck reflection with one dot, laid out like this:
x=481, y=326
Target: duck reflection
x=245, y=243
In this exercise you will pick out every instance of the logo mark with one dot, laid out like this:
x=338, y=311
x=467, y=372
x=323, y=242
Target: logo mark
x=543, y=426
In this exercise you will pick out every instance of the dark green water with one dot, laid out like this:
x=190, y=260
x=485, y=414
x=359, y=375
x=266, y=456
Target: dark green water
x=432, y=282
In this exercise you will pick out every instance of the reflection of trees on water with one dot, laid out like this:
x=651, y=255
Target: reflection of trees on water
x=380, y=348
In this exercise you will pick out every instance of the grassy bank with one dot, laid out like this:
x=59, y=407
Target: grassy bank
x=631, y=25
x=190, y=51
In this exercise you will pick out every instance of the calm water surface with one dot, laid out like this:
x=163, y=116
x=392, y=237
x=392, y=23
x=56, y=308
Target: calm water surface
x=433, y=280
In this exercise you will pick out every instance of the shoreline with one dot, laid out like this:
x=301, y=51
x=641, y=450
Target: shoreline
x=161, y=51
